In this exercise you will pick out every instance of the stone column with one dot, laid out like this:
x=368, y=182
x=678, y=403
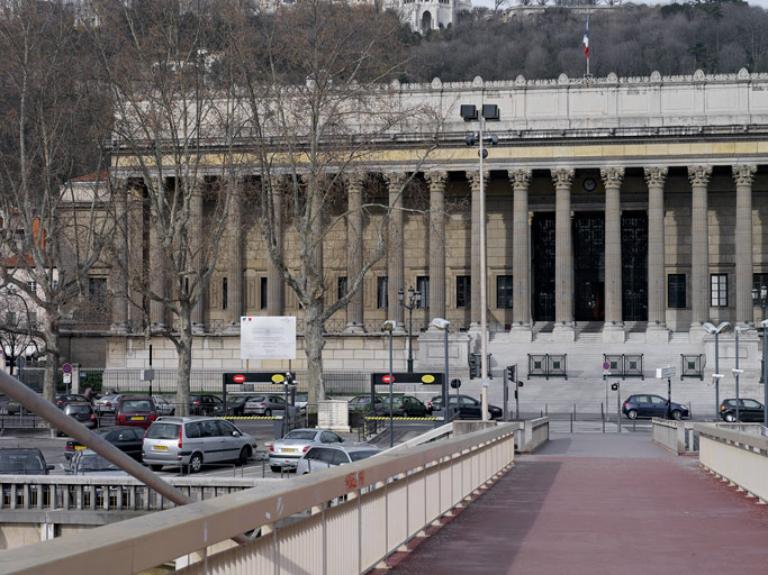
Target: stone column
x=657, y=308
x=562, y=178
x=355, y=182
x=744, y=174
x=521, y=263
x=235, y=253
x=699, y=178
x=157, y=276
x=119, y=271
x=196, y=245
x=613, y=329
x=436, y=181
x=475, y=271
x=135, y=257
x=395, y=254
x=275, y=304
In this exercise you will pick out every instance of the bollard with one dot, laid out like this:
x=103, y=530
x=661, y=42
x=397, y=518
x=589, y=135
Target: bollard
x=602, y=414
x=571, y=416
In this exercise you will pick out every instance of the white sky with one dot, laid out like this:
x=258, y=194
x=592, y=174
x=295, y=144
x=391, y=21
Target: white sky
x=489, y=3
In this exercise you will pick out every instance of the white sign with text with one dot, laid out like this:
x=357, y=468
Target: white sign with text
x=268, y=337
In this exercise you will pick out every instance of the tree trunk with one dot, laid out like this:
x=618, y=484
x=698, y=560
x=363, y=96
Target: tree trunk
x=313, y=349
x=184, y=369
x=51, y=336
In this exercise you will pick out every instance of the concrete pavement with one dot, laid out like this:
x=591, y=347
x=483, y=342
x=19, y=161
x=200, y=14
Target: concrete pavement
x=600, y=504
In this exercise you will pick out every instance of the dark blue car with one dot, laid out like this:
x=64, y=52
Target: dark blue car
x=646, y=406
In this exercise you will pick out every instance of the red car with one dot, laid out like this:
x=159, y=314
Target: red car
x=136, y=411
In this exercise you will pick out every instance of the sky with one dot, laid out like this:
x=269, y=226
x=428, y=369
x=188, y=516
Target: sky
x=489, y=3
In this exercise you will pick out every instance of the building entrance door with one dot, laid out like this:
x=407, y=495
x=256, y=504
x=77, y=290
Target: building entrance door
x=543, y=248
x=589, y=265
x=634, y=266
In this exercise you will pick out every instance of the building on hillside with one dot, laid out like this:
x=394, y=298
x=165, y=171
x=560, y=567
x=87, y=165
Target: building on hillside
x=623, y=214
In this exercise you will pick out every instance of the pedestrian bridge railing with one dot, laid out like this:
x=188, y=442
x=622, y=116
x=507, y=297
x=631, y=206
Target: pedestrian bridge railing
x=738, y=454
x=339, y=521
x=678, y=436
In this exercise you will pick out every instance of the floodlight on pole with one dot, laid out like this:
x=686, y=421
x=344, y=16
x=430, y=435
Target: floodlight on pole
x=711, y=329
x=444, y=324
x=390, y=326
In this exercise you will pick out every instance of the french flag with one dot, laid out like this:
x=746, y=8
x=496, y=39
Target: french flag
x=585, y=40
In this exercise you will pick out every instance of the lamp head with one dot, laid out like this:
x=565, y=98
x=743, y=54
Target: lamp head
x=440, y=323
x=389, y=326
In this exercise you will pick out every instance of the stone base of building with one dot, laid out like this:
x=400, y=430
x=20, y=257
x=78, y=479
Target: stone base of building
x=563, y=333
x=431, y=350
x=657, y=334
x=520, y=334
x=614, y=334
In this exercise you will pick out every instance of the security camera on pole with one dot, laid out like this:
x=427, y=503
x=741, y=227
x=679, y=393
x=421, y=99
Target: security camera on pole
x=470, y=113
x=717, y=376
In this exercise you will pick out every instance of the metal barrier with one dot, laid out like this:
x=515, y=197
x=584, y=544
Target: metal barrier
x=679, y=437
x=624, y=366
x=342, y=520
x=547, y=366
x=692, y=365
x=738, y=455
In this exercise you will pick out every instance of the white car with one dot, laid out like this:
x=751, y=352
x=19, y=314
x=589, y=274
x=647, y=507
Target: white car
x=324, y=456
x=286, y=452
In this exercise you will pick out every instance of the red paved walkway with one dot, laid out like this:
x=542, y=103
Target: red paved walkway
x=578, y=508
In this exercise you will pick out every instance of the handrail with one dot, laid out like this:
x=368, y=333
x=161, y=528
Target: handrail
x=721, y=433
x=135, y=545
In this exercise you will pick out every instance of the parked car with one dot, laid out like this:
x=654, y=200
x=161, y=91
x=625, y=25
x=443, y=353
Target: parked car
x=82, y=412
x=164, y=405
x=464, y=406
x=206, y=404
x=9, y=406
x=23, y=461
x=402, y=406
x=107, y=403
x=88, y=462
x=749, y=410
x=300, y=401
x=264, y=404
x=191, y=442
x=236, y=403
x=647, y=406
x=362, y=403
x=286, y=452
x=126, y=439
x=63, y=399
x=139, y=411
x=325, y=456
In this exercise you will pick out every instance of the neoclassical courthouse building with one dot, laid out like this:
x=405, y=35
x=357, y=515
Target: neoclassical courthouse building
x=622, y=214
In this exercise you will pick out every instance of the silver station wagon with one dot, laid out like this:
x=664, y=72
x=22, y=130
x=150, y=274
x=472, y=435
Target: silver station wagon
x=191, y=442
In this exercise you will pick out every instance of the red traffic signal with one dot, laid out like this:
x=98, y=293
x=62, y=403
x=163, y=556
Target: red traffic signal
x=388, y=378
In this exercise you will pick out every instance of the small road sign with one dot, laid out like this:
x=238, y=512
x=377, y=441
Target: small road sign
x=66, y=368
x=665, y=372
x=606, y=366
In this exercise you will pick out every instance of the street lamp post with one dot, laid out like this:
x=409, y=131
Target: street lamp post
x=762, y=296
x=470, y=113
x=414, y=299
x=716, y=331
x=444, y=324
x=737, y=371
x=389, y=327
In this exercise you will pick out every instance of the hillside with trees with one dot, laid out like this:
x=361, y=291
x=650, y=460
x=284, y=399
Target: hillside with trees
x=630, y=40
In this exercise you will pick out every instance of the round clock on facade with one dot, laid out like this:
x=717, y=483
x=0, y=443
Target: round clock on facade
x=589, y=184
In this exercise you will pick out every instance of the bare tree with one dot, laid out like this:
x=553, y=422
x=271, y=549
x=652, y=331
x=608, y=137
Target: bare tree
x=158, y=62
x=53, y=123
x=314, y=80
x=18, y=323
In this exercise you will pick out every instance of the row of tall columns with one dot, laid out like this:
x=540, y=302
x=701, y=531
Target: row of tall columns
x=129, y=205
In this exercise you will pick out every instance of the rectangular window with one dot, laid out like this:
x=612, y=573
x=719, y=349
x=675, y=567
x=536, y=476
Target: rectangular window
x=224, y=294
x=718, y=290
x=263, y=294
x=341, y=288
x=759, y=288
x=504, y=292
x=32, y=286
x=382, y=300
x=463, y=295
x=422, y=286
x=676, y=291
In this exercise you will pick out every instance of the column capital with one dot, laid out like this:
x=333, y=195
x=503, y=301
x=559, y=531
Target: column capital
x=743, y=174
x=394, y=179
x=474, y=178
x=655, y=176
x=612, y=176
x=355, y=179
x=562, y=176
x=699, y=175
x=436, y=179
x=519, y=177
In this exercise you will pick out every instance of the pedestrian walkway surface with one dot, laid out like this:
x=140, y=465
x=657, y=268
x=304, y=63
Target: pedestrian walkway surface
x=600, y=504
